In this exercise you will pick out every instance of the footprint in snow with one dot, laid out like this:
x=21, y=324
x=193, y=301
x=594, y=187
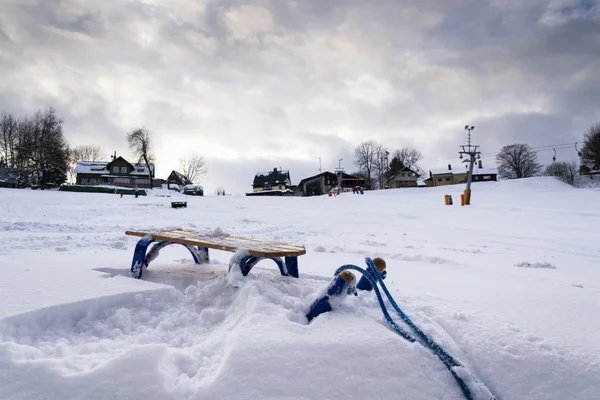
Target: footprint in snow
x=526, y=264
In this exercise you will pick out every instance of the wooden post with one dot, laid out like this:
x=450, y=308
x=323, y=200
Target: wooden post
x=467, y=195
x=462, y=199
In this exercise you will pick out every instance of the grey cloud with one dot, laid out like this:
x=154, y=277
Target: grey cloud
x=405, y=74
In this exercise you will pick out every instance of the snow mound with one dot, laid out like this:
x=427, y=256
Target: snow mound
x=202, y=343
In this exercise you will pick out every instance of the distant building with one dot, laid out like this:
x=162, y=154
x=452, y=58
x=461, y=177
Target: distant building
x=585, y=170
x=9, y=178
x=178, y=179
x=118, y=172
x=406, y=177
x=325, y=181
x=443, y=177
x=272, y=183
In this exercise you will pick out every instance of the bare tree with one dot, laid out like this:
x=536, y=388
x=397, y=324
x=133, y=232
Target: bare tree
x=404, y=158
x=517, y=161
x=193, y=167
x=84, y=152
x=380, y=164
x=590, y=153
x=564, y=171
x=8, y=137
x=366, y=155
x=87, y=152
x=140, y=142
x=409, y=157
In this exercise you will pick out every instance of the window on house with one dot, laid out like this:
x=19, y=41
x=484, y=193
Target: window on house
x=447, y=179
x=84, y=180
x=122, y=181
x=115, y=170
x=439, y=179
x=123, y=170
x=280, y=187
x=487, y=177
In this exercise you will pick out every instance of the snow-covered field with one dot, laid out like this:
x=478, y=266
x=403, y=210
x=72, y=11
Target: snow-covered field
x=510, y=286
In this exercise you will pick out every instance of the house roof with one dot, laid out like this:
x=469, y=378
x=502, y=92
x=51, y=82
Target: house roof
x=345, y=176
x=120, y=158
x=91, y=167
x=101, y=167
x=476, y=171
x=441, y=171
x=183, y=180
x=405, y=169
x=485, y=171
x=274, y=177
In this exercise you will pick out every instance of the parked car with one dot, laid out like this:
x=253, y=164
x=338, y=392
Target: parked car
x=193, y=190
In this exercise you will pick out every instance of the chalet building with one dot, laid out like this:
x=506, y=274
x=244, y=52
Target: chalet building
x=118, y=172
x=406, y=177
x=177, y=178
x=443, y=177
x=325, y=181
x=272, y=183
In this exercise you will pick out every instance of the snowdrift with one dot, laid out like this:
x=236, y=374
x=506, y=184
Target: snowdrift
x=73, y=325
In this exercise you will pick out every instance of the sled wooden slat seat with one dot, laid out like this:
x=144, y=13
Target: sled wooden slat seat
x=254, y=249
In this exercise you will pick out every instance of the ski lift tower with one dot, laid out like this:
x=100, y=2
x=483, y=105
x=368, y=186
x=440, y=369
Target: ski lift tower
x=473, y=154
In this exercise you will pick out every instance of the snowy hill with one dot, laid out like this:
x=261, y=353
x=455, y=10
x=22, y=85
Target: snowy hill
x=509, y=285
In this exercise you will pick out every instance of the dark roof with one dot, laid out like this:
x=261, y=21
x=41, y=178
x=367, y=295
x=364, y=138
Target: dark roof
x=179, y=178
x=116, y=159
x=345, y=176
x=406, y=169
x=272, y=178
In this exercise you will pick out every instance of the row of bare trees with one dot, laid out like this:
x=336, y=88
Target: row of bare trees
x=35, y=147
x=377, y=165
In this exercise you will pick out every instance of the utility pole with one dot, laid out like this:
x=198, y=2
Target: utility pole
x=339, y=172
x=473, y=153
x=319, y=162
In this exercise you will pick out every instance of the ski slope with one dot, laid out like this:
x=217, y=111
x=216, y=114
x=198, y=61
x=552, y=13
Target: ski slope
x=510, y=286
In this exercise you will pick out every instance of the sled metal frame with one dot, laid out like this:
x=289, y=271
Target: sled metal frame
x=198, y=246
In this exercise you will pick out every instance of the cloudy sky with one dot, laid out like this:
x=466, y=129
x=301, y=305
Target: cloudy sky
x=256, y=84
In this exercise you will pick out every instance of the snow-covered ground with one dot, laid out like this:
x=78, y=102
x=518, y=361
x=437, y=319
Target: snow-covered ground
x=510, y=286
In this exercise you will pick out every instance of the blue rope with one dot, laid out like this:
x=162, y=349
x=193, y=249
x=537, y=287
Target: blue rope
x=447, y=359
x=389, y=319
